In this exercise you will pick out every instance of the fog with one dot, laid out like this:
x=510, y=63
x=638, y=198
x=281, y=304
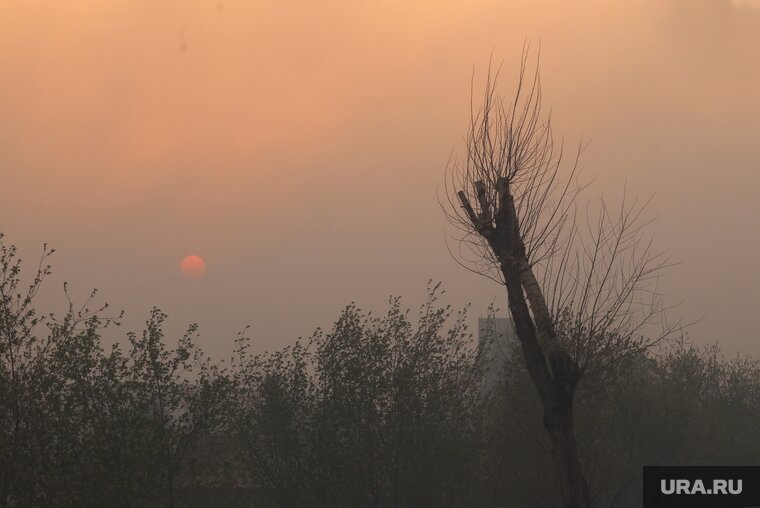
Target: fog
x=298, y=147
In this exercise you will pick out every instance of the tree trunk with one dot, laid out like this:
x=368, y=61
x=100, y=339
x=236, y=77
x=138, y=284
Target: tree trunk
x=558, y=420
x=553, y=372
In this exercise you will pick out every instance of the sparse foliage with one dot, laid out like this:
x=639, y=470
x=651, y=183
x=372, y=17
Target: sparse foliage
x=380, y=411
x=582, y=294
x=80, y=427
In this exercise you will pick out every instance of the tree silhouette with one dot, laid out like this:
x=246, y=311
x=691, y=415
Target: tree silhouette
x=582, y=293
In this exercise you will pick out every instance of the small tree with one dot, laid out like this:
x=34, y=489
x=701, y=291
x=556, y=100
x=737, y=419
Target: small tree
x=79, y=427
x=42, y=427
x=581, y=295
x=379, y=411
x=179, y=391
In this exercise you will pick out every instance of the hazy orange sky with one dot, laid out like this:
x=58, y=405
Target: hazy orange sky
x=298, y=147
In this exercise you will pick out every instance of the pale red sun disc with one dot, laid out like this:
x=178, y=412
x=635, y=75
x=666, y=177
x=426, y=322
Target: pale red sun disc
x=193, y=266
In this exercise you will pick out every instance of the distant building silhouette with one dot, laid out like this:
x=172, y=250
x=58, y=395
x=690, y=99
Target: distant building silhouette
x=496, y=340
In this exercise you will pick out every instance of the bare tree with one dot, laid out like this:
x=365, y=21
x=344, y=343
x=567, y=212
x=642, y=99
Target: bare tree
x=582, y=288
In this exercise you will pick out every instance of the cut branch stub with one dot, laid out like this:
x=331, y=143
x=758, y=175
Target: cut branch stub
x=485, y=206
x=468, y=208
x=484, y=228
x=507, y=219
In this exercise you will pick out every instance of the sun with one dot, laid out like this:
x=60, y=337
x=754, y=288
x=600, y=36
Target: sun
x=192, y=266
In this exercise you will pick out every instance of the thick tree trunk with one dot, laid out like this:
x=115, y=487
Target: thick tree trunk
x=558, y=420
x=573, y=486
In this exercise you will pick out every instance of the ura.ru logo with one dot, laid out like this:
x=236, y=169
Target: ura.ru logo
x=698, y=487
